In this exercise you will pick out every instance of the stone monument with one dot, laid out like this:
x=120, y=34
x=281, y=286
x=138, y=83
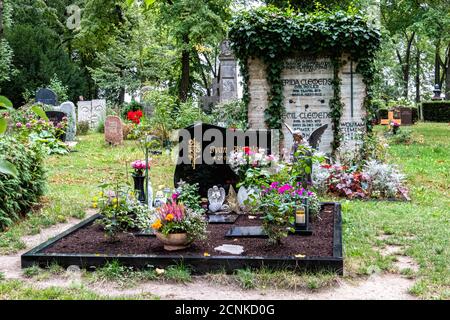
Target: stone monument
x=307, y=83
x=92, y=111
x=113, y=130
x=46, y=96
x=68, y=108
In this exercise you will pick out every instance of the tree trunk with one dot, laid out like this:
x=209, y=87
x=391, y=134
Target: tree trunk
x=121, y=96
x=437, y=65
x=447, y=78
x=1, y=19
x=418, y=76
x=185, y=70
x=407, y=66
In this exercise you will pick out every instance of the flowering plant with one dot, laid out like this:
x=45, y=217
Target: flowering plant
x=278, y=203
x=175, y=218
x=119, y=208
x=246, y=159
x=135, y=116
x=139, y=166
x=374, y=180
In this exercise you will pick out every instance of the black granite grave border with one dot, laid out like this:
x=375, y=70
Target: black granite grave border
x=198, y=264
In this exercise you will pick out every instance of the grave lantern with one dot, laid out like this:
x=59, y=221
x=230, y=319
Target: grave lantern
x=301, y=224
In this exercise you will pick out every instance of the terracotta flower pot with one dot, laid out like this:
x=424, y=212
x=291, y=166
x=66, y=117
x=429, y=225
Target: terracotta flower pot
x=174, y=241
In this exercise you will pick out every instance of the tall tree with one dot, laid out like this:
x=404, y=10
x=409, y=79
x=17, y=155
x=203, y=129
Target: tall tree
x=193, y=23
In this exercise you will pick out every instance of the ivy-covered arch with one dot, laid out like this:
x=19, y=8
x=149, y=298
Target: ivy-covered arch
x=272, y=35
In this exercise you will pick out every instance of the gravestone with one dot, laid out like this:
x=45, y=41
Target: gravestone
x=307, y=90
x=92, y=111
x=228, y=73
x=69, y=109
x=56, y=117
x=113, y=130
x=46, y=96
x=98, y=112
x=204, y=150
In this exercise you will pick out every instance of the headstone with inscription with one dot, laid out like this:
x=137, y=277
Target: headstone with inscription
x=307, y=89
x=46, y=96
x=69, y=109
x=113, y=130
x=203, y=152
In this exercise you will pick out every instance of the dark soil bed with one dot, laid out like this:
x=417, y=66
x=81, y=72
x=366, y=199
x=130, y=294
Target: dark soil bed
x=91, y=240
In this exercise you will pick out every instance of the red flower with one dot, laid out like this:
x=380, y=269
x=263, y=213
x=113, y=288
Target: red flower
x=135, y=116
x=246, y=150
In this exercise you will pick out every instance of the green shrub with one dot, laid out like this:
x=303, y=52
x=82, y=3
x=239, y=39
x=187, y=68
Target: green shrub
x=18, y=195
x=437, y=111
x=232, y=114
x=83, y=128
x=101, y=126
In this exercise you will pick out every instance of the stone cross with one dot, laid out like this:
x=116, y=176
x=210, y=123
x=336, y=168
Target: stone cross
x=390, y=119
x=68, y=108
x=113, y=130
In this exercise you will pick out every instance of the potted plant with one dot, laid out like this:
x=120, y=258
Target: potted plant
x=138, y=175
x=177, y=227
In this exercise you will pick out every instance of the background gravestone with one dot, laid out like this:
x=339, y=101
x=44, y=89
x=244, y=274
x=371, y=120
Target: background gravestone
x=113, y=130
x=92, y=111
x=56, y=117
x=98, y=112
x=46, y=96
x=69, y=109
x=219, y=173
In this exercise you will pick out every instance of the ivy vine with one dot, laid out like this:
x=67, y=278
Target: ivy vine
x=273, y=35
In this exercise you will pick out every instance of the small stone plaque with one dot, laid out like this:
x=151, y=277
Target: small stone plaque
x=246, y=232
x=222, y=218
x=145, y=233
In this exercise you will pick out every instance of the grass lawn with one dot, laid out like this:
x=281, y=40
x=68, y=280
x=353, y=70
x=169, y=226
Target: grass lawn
x=420, y=227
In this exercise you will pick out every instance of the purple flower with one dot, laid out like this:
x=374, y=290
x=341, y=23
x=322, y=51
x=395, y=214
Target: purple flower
x=19, y=125
x=28, y=125
x=175, y=196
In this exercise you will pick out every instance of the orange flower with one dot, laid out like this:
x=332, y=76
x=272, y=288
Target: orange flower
x=157, y=225
x=169, y=217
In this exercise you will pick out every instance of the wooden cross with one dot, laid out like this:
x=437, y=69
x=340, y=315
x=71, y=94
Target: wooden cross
x=390, y=119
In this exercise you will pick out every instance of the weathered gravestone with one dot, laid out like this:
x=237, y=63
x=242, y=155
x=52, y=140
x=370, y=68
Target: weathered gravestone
x=113, y=130
x=56, y=117
x=69, y=109
x=46, y=96
x=92, y=111
x=203, y=153
x=307, y=90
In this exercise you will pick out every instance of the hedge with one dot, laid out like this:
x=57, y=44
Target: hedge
x=436, y=111
x=18, y=195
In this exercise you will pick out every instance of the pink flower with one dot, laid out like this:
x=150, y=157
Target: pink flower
x=28, y=125
x=19, y=125
x=175, y=196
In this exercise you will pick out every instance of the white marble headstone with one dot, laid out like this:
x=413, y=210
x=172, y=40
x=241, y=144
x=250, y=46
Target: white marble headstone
x=68, y=108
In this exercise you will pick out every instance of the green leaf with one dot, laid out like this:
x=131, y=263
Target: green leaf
x=8, y=168
x=3, y=125
x=5, y=103
x=40, y=112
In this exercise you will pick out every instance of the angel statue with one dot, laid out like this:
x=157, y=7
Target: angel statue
x=216, y=198
x=298, y=153
x=313, y=140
